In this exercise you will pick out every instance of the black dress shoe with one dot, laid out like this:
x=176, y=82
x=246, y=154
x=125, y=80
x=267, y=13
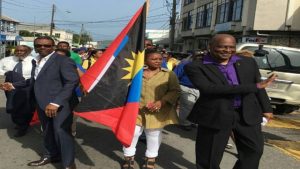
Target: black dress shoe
x=44, y=161
x=186, y=128
x=20, y=133
x=73, y=166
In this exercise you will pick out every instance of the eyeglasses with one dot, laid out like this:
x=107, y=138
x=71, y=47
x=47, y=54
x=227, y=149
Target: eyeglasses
x=40, y=45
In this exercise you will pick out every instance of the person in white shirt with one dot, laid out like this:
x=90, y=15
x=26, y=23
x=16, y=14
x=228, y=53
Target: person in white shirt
x=17, y=68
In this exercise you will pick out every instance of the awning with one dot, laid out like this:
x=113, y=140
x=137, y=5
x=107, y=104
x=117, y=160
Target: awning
x=2, y=37
x=19, y=38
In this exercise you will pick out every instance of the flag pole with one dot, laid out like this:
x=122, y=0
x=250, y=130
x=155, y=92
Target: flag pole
x=148, y=6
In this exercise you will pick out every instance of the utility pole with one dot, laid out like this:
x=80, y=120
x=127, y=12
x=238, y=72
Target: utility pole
x=172, y=26
x=80, y=35
x=52, y=20
x=0, y=15
x=1, y=26
x=34, y=28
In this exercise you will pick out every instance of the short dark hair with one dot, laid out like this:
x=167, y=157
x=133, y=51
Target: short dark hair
x=93, y=52
x=65, y=42
x=151, y=51
x=44, y=37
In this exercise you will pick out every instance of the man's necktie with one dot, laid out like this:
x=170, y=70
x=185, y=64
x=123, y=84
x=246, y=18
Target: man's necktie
x=18, y=67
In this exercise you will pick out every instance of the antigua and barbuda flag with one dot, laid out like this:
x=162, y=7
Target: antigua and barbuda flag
x=114, y=82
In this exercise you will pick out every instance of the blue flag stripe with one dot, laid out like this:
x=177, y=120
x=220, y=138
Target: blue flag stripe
x=121, y=46
x=135, y=88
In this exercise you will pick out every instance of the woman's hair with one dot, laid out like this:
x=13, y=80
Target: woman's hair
x=151, y=51
x=66, y=52
x=93, y=52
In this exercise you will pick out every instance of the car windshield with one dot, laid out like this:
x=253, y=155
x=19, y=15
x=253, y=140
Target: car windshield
x=278, y=60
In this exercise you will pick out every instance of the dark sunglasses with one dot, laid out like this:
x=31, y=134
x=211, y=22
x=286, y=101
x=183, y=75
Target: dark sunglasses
x=45, y=46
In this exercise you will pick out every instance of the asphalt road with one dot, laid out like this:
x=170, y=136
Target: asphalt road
x=97, y=148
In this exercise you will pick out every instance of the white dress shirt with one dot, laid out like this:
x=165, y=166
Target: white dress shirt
x=40, y=62
x=8, y=64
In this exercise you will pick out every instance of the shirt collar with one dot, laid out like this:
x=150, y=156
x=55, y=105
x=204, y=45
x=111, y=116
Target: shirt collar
x=45, y=58
x=162, y=69
x=208, y=59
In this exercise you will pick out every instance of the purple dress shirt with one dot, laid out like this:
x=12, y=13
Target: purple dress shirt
x=229, y=73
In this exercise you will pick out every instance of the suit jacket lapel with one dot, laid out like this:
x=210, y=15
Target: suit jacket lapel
x=217, y=72
x=46, y=65
x=239, y=70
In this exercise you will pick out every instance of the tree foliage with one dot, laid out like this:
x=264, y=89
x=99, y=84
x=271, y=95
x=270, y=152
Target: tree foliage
x=84, y=38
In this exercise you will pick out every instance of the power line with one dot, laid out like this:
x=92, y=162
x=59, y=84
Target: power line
x=28, y=4
x=19, y=5
x=41, y=2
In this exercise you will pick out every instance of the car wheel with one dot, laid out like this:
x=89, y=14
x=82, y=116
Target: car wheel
x=285, y=109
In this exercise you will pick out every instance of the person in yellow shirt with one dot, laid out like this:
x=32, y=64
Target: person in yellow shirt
x=159, y=95
x=94, y=56
x=169, y=62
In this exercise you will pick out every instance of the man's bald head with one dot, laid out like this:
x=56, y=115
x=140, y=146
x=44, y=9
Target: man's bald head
x=219, y=37
x=222, y=47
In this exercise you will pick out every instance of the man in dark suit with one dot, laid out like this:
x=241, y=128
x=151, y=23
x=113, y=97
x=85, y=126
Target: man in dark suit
x=232, y=98
x=53, y=80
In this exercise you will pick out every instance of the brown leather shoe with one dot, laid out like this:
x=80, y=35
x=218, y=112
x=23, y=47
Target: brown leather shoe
x=44, y=161
x=73, y=166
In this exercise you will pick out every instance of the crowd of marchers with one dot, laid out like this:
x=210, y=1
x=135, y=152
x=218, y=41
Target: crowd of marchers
x=218, y=90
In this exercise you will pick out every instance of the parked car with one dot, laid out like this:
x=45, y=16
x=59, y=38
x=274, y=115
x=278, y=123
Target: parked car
x=284, y=92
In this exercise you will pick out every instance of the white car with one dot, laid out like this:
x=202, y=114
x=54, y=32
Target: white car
x=284, y=92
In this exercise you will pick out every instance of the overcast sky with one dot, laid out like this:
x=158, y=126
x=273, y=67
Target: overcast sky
x=110, y=15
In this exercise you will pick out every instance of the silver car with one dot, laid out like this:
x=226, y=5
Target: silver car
x=284, y=92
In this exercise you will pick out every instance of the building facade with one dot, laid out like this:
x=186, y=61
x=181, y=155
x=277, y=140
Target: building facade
x=40, y=29
x=275, y=22
x=9, y=34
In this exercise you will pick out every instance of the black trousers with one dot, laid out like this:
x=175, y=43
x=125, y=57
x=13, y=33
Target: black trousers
x=20, y=106
x=58, y=141
x=211, y=143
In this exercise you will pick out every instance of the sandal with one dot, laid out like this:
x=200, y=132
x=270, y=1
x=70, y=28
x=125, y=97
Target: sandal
x=149, y=163
x=128, y=163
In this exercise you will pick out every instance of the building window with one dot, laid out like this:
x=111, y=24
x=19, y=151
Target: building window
x=187, y=21
x=204, y=14
x=237, y=10
x=202, y=44
x=186, y=2
x=11, y=27
x=2, y=25
x=57, y=35
x=229, y=10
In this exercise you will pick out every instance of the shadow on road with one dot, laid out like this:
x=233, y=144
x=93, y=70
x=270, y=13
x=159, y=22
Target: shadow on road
x=103, y=141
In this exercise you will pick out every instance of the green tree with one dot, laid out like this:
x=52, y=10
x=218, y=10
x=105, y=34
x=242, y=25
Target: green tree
x=84, y=38
x=25, y=33
x=75, y=38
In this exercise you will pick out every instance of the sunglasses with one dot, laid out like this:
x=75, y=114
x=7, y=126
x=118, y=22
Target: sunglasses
x=40, y=45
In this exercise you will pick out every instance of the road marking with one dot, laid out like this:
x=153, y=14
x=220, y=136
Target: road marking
x=284, y=123
x=291, y=148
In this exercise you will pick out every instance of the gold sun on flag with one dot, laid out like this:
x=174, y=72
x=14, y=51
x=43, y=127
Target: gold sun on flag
x=135, y=64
